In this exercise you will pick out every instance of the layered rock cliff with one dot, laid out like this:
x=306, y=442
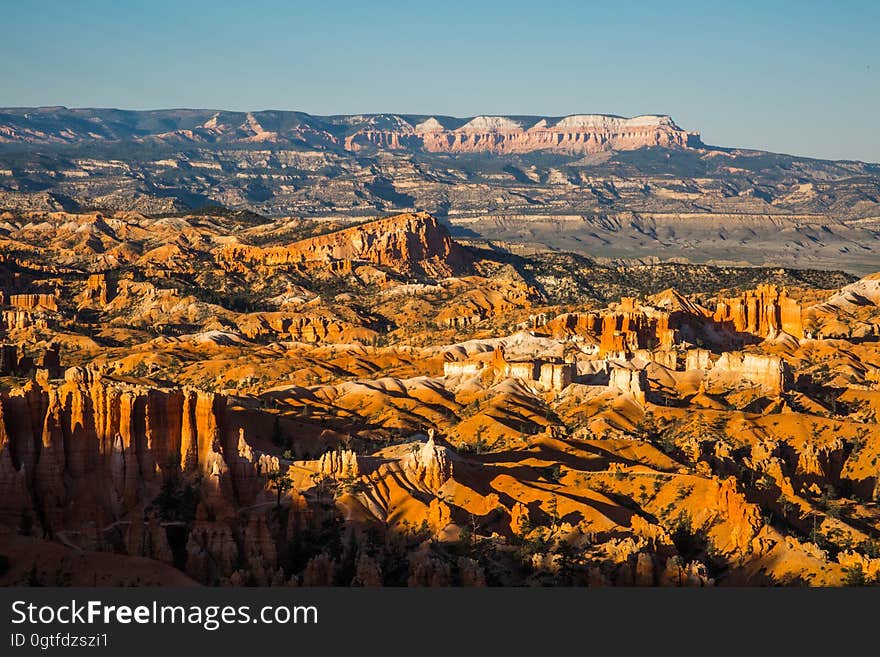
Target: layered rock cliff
x=771, y=372
x=88, y=450
x=579, y=133
x=623, y=330
x=31, y=301
x=765, y=311
x=409, y=242
x=631, y=326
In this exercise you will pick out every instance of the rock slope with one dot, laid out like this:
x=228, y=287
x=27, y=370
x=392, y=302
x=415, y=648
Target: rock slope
x=411, y=242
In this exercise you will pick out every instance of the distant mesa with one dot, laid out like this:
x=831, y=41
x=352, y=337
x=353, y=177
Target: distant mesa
x=580, y=133
x=577, y=133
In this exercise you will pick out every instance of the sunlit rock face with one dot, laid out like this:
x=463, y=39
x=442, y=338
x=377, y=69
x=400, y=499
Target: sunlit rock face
x=223, y=400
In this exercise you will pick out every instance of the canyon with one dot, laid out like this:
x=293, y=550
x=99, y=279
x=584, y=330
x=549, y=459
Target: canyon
x=225, y=399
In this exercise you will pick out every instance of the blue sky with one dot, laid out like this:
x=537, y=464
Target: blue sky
x=796, y=77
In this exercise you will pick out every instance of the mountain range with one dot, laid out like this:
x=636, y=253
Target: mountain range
x=570, y=134
x=617, y=189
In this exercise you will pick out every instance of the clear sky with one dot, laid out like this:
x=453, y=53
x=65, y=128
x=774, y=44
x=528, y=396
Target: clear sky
x=799, y=77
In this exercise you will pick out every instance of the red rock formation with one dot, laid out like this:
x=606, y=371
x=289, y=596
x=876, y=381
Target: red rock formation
x=147, y=538
x=490, y=299
x=677, y=573
x=770, y=372
x=520, y=519
x=631, y=326
x=430, y=465
x=339, y=464
x=622, y=331
x=406, y=242
x=763, y=312
x=89, y=449
x=698, y=359
x=629, y=380
x=88, y=458
x=471, y=573
x=439, y=515
x=743, y=517
x=552, y=374
x=211, y=552
x=99, y=291
x=34, y=301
